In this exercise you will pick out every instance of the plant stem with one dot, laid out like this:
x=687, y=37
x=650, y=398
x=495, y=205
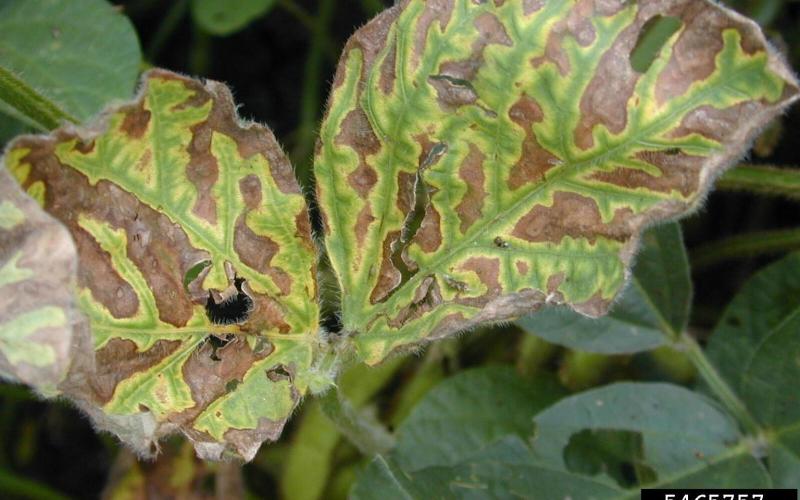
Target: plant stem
x=368, y=435
x=718, y=386
x=29, y=103
x=746, y=245
x=200, y=53
x=167, y=28
x=763, y=179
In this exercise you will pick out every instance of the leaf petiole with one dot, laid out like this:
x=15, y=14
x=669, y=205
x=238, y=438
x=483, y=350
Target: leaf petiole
x=367, y=434
x=763, y=179
x=718, y=386
x=31, y=104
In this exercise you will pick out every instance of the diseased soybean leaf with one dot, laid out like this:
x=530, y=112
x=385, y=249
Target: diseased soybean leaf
x=80, y=55
x=653, y=309
x=756, y=348
x=159, y=186
x=480, y=159
x=39, y=320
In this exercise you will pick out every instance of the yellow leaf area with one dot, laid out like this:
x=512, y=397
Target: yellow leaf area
x=174, y=180
x=481, y=160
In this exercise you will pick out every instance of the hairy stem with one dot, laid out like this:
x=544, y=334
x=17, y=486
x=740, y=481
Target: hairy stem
x=718, y=386
x=746, y=245
x=763, y=179
x=42, y=112
x=368, y=435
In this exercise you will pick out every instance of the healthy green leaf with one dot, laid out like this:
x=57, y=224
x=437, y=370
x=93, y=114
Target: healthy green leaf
x=384, y=480
x=686, y=442
x=756, y=348
x=39, y=323
x=653, y=309
x=506, y=469
x=172, y=180
x=667, y=417
x=77, y=55
x=467, y=412
x=481, y=159
x=225, y=18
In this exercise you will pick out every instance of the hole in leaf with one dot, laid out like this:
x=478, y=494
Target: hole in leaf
x=279, y=373
x=655, y=33
x=413, y=222
x=456, y=82
x=262, y=344
x=453, y=92
x=194, y=272
x=619, y=454
x=218, y=343
x=233, y=306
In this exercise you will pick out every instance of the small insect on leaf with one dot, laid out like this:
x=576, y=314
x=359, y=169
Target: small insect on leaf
x=230, y=307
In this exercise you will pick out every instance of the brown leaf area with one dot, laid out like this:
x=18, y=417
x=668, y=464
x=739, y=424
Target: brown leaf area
x=127, y=247
x=39, y=262
x=570, y=189
x=158, y=246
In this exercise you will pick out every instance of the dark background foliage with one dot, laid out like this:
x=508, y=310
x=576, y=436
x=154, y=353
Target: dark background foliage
x=280, y=67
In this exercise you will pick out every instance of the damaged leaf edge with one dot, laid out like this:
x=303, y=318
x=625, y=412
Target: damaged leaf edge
x=81, y=363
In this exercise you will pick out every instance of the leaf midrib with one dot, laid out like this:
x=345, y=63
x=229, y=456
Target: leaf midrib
x=549, y=181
